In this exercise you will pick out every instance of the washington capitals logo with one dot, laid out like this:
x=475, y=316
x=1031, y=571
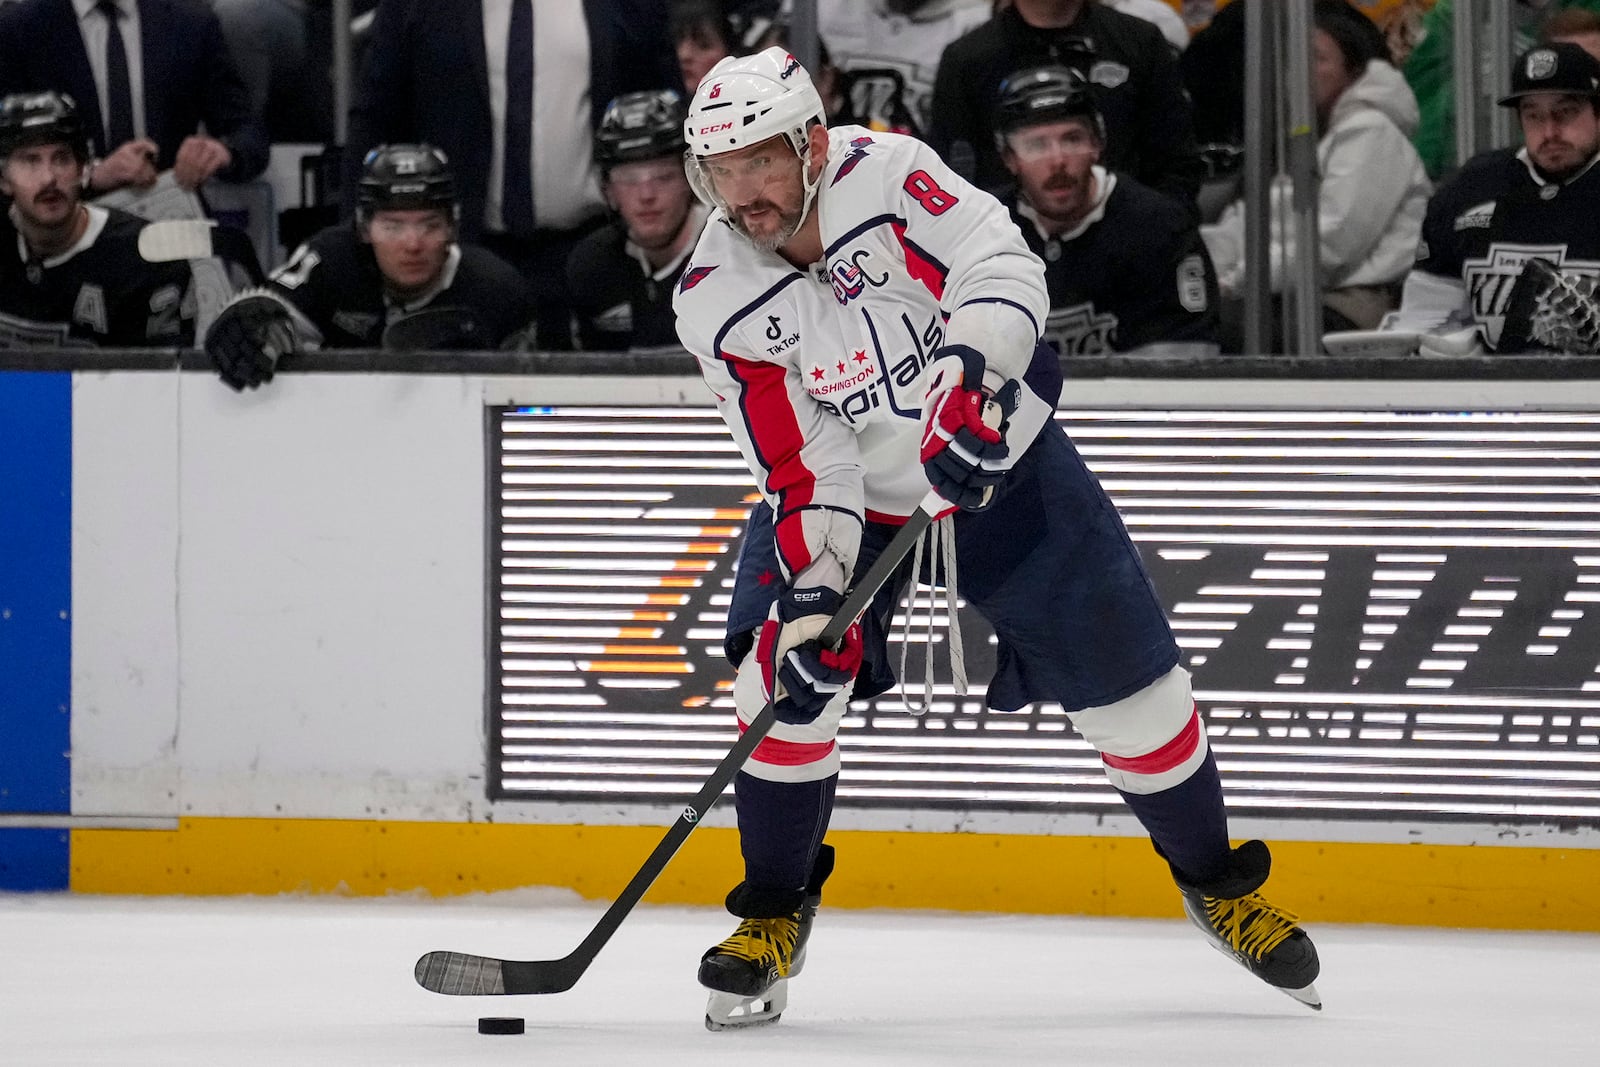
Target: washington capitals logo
x=858, y=152
x=790, y=65
x=694, y=276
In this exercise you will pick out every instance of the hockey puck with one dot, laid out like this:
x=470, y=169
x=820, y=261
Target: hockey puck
x=493, y=1024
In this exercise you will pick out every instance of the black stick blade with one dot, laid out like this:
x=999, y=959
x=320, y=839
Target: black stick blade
x=460, y=974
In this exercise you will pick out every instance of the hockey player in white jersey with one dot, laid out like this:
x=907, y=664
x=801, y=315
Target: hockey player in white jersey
x=854, y=305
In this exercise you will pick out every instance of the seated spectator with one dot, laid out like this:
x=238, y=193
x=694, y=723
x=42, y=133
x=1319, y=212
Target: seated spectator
x=623, y=275
x=1430, y=70
x=1373, y=191
x=1510, y=205
x=1125, y=266
x=1132, y=69
x=889, y=51
x=396, y=278
x=72, y=274
x=148, y=75
x=702, y=37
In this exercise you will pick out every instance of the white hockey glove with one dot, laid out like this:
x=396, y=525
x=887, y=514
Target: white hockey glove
x=248, y=337
x=964, y=450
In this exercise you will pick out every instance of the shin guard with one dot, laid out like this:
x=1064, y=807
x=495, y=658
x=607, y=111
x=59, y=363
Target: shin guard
x=1153, y=745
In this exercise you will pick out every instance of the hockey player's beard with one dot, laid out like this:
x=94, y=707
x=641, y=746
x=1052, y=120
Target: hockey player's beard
x=788, y=225
x=1069, y=197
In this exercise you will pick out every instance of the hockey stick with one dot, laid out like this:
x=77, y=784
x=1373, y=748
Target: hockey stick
x=463, y=974
x=435, y=329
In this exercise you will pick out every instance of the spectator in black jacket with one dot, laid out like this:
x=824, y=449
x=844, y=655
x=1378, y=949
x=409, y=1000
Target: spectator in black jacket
x=1129, y=64
x=516, y=121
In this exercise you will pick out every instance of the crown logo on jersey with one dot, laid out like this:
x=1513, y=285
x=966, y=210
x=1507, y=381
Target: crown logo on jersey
x=694, y=276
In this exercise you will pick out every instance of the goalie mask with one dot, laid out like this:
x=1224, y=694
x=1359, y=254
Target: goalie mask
x=28, y=119
x=405, y=177
x=745, y=100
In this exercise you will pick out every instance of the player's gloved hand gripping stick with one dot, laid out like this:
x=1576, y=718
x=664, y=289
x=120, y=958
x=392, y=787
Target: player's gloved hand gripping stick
x=464, y=974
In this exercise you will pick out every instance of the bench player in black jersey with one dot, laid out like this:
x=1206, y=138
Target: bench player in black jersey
x=362, y=284
x=623, y=275
x=1125, y=265
x=1510, y=205
x=71, y=274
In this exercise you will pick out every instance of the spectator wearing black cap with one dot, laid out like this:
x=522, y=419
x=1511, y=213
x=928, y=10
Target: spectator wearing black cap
x=1124, y=265
x=622, y=276
x=1129, y=64
x=1512, y=204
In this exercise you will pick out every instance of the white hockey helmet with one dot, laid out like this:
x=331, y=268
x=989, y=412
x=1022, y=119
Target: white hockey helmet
x=744, y=100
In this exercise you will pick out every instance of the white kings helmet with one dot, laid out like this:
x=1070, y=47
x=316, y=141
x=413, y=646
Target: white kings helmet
x=744, y=100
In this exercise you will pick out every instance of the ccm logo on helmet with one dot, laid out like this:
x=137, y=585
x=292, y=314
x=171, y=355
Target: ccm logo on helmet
x=715, y=129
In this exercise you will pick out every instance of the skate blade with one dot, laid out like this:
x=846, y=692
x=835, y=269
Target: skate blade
x=1307, y=996
x=729, y=1011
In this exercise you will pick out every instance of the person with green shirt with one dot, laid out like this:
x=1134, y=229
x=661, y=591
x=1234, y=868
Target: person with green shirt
x=1430, y=70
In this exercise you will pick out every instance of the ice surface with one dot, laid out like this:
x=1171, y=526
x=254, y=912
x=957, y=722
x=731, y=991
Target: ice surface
x=327, y=981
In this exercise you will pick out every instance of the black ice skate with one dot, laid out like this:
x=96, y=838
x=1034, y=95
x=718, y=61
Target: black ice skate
x=1266, y=940
x=748, y=974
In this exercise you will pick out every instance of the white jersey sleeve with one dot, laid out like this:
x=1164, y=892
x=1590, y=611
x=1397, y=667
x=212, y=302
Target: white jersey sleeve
x=806, y=462
x=992, y=287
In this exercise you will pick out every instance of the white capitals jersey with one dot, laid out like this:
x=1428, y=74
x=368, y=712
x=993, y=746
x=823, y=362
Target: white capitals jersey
x=819, y=374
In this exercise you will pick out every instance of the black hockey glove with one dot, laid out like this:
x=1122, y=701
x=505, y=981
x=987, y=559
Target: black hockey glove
x=809, y=674
x=964, y=450
x=248, y=337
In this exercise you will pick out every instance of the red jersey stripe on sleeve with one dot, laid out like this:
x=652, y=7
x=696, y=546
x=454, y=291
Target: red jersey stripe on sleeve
x=774, y=429
x=921, y=266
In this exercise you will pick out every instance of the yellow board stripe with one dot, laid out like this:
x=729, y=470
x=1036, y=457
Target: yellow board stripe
x=1424, y=885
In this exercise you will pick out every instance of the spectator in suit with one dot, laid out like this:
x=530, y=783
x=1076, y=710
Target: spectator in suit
x=512, y=91
x=284, y=51
x=148, y=74
x=1131, y=67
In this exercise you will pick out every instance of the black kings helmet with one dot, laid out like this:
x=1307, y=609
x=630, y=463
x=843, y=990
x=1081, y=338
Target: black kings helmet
x=640, y=126
x=1045, y=94
x=41, y=118
x=405, y=177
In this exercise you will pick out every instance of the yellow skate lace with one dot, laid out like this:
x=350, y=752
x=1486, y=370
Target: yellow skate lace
x=768, y=942
x=1249, y=924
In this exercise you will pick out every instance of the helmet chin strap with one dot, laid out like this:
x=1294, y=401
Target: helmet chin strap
x=809, y=185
